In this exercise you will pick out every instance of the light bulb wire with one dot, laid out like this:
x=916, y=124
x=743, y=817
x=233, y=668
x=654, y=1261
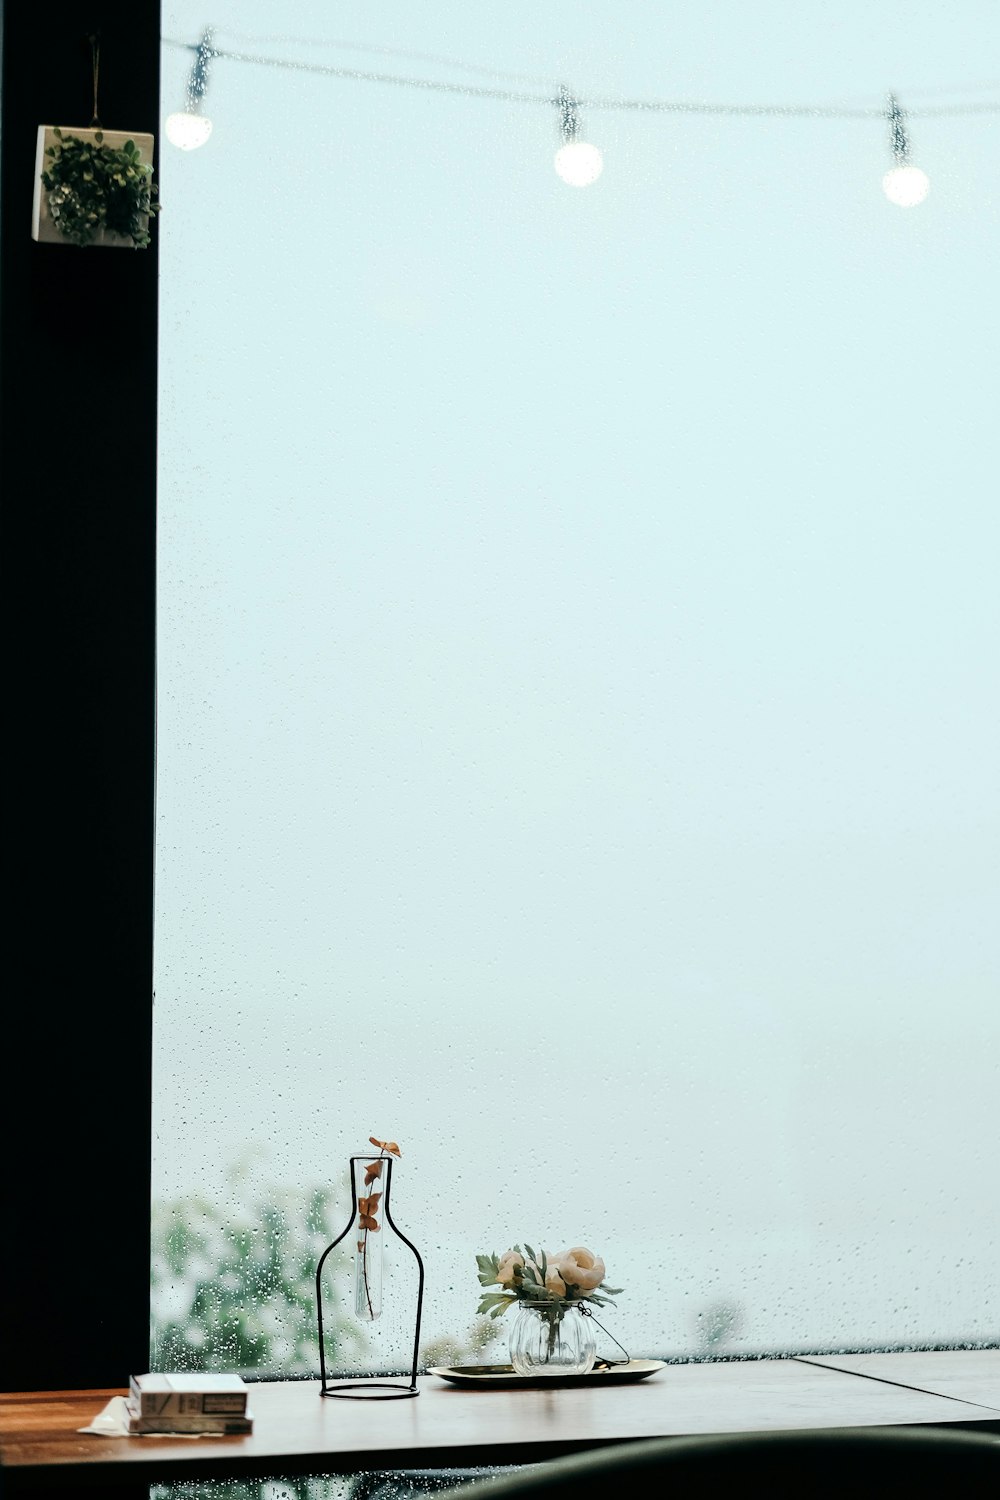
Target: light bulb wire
x=197, y=85
x=569, y=116
x=899, y=141
x=209, y=52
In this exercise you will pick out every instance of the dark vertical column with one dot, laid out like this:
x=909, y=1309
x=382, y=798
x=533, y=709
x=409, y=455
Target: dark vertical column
x=78, y=405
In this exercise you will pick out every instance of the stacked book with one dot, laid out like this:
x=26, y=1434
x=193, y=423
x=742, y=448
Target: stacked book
x=188, y=1403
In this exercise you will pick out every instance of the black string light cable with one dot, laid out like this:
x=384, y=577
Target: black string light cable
x=339, y=44
x=577, y=161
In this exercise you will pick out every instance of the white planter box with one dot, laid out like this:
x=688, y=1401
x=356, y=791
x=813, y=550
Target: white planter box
x=42, y=227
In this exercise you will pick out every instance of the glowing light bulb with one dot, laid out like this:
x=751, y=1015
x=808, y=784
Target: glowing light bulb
x=579, y=163
x=188, y=131
x=906, y=186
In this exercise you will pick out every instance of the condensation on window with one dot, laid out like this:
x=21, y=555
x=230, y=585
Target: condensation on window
x=577, y=729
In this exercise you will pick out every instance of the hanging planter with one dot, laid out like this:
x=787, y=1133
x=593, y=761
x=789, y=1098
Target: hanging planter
x=93, y=187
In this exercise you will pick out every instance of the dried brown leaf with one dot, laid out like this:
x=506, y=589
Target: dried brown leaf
x=389, y=1146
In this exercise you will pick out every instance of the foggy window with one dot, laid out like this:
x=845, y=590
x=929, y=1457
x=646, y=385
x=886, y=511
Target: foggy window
x=577, y=723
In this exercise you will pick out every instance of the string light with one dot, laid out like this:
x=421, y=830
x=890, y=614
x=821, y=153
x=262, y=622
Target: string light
x=903, y=184
x=576, y=162
x=189, y=128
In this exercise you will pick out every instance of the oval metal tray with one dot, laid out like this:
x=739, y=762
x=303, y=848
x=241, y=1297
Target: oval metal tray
x=495, y=1377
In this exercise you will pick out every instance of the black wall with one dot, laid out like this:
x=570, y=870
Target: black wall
x=78, y=331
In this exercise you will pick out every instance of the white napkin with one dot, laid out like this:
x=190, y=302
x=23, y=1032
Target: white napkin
x=112, y=1421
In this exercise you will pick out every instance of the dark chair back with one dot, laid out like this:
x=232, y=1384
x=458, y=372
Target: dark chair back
x=947, y=1462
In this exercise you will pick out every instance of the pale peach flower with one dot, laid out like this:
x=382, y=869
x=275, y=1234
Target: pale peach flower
x=553, y=1280
x=580, y=1267
x=505, y=1269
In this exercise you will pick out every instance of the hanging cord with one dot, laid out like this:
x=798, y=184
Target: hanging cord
x=95, y=59
x=601, y=1363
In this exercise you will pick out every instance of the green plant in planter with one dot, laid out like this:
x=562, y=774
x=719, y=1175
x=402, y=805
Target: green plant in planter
x=92, y=186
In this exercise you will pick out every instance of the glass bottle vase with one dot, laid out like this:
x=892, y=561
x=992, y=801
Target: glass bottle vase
x=551, y=1339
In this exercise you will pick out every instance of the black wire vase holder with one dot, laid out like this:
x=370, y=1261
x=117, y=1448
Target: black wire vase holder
x=369, y=1210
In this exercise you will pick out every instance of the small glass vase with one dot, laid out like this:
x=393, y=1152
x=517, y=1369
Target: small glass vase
x=551, y=1338
x=369, y=1187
